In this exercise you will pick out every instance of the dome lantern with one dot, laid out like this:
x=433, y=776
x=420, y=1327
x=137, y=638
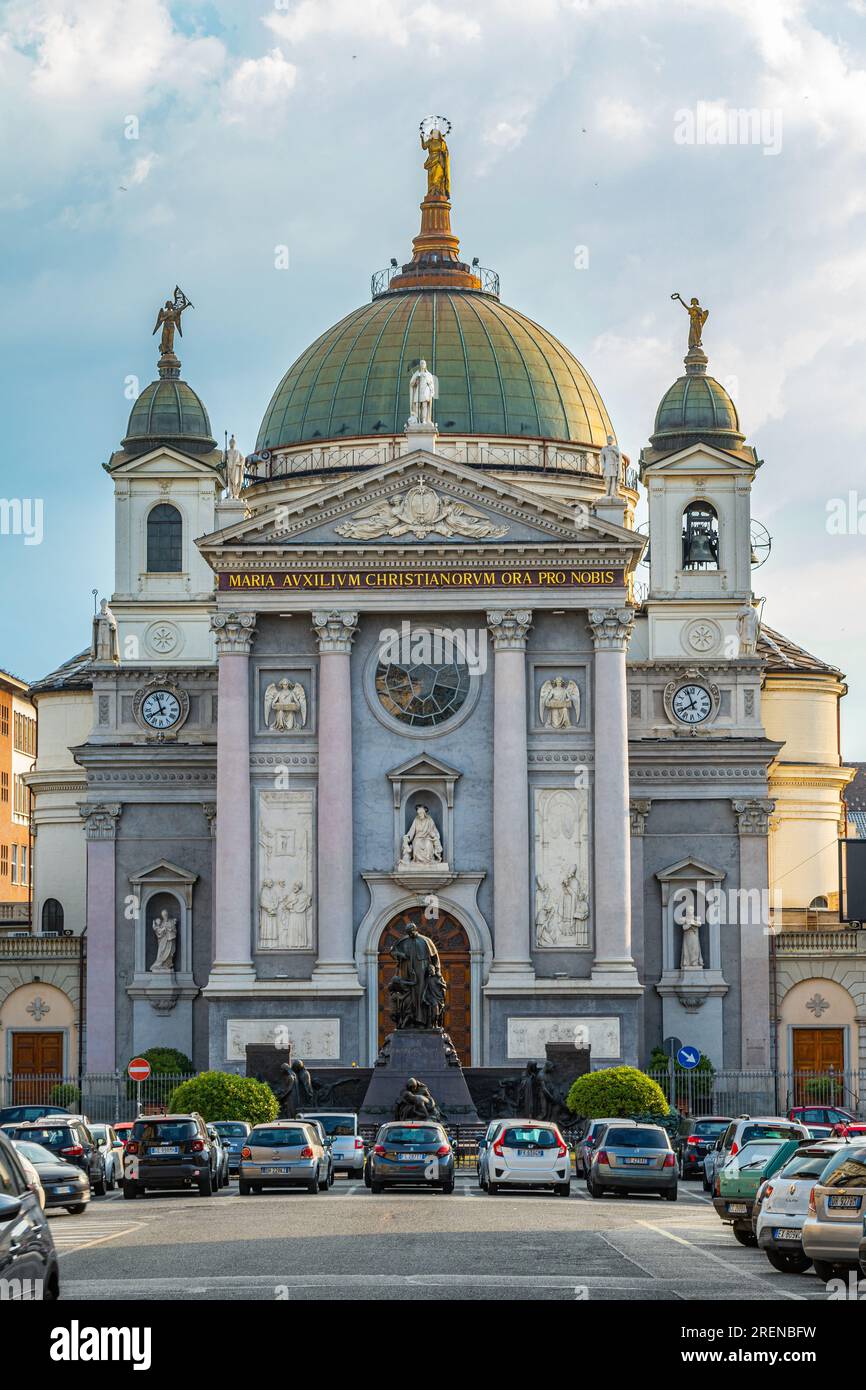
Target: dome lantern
x=168, y=411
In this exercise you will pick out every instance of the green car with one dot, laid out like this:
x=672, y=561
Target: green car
x=738, y=1181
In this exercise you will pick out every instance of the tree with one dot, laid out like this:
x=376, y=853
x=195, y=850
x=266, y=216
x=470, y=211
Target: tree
x=616, y=1091
x=221, y=1095
x=164, y=1061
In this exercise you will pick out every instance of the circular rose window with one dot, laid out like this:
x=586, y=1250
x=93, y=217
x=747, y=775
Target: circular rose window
x=422, y=694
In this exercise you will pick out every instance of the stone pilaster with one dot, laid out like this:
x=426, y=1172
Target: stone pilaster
x=335, y=630
x=509, y=628
x=613, y=964
x=753, y=823
x=639, y=815
x=100, y=828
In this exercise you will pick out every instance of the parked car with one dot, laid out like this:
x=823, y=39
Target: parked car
x=67, y=1137
x=234, y=1135
x=585, y=1144
x=326, y=1144
x=123, y=1130
x=112, y=1150
x=412, y=1151
x=695, y=1141
x=347, y=1146
x=284, y=1153
x=633, y=1158
x=747, y=1128
x=785, y=1203
x=484, y=1151
x=833, y=1228
x=21, y=1114
x=740, y=1175
x=222, y=1177
x=528, y=1153
x=169, y=1151
x=825, y=1117
x=63, y=1184
x=34, y=1182
x=28, y=1260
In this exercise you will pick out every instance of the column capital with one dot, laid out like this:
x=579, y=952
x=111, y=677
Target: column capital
x=638, y=815
x=100, y=819
x=234, y=632
x=611, y=628
x=753, y=816
x=335, y=629
x=509, y=628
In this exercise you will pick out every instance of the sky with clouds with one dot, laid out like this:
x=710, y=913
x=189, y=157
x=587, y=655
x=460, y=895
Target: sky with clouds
x=295, y=125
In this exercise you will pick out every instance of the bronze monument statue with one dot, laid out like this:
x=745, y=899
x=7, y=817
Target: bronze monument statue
x=418, y=989
x=169, y=318
x=697, y=319
x=416, y=1103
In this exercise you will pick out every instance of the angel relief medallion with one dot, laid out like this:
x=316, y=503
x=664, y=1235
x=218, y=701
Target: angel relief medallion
x=556, y=701
x=285, y=706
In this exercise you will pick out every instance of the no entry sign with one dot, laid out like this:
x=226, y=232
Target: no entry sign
x=139, y=1069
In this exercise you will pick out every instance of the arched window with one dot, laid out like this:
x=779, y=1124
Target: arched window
x=819, y=904
x=700, y=537
x=164, y=540
x=52, y=917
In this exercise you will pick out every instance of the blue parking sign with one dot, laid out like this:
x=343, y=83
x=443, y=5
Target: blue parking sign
x=688, y=1057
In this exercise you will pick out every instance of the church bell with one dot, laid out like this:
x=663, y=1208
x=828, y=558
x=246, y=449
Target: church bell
x=699, y=551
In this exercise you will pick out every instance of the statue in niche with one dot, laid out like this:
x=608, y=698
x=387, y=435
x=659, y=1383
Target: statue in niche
x=691, y=955
x=105, y=645
x=418, y=997
x=287, y=703
x=165, y=931
x=421, y=843
x=293, y=918
x=557, y=699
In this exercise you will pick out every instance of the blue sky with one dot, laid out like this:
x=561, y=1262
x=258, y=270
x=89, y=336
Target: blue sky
x=296, y=124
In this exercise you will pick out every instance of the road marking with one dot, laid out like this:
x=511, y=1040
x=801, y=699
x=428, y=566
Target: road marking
x=89, y=1233
x=717, y=1259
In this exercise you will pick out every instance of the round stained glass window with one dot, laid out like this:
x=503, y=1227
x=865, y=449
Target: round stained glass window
x=422, y=694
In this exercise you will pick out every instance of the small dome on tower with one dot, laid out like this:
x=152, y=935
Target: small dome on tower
x=696, y=407
x=168, y=411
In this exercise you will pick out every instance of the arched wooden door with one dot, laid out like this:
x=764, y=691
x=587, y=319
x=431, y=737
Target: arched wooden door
x=452, y=943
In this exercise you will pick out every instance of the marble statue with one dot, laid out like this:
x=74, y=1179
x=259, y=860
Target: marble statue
x=437, y=164
x=697, y=319
x=418, y=999
x=562, y=866
x=169, y=318
x=691, y=956
x=545, y=927
x=165, y=931
x=269, y=901
x=234, y=469
x=610, y=459
x=285, y=706
x=415, y=1102
x=105, y=645
x=420, y=512
x=423, y=391
x=293, y=919
x=748, y=628
x=557, y=699
x=421, y=843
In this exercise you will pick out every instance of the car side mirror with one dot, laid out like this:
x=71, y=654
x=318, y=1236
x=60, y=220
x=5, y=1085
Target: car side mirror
x=10, y=1207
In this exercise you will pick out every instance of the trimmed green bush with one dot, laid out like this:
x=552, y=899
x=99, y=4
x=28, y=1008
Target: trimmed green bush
x=65, y=1093
x=221, y=1095
x=167, y=1061
x=616, y=1091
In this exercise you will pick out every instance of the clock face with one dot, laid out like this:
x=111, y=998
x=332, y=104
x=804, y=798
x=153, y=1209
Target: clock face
x=692, y=704
x=160, y=709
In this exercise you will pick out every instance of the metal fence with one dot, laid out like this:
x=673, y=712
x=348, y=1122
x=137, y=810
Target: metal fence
x=103, y=1098
x=761, y=1092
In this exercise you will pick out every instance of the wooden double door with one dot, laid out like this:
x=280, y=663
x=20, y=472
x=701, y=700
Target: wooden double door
x=452, y=943
x=37, y=1058
x=818, y=1053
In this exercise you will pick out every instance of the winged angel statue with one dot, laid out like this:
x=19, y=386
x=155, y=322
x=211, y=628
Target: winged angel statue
x=285, y=706
x=556, y=701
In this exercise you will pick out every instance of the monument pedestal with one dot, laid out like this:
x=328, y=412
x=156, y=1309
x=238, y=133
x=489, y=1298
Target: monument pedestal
x=426, y=1054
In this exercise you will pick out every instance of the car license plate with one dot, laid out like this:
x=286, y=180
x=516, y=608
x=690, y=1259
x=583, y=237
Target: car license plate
x=529, y=1153
x=67, y=1187
x=410, y=1158
x=737, y=1208
x=283, y=1169
x=166, y=1149
x=786, y=1233
x=640, y=1161
x=844, y=1203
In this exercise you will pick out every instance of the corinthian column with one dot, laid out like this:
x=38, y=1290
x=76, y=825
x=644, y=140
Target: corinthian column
x=613, y=964
x=234, y=634
x=334, y=813
x=100, y=828
x=509, y=628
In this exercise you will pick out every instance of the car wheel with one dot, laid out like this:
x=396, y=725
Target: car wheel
x=594, y=1189
x=257, y=1188
x=787, y=1262
x=376, y=1188
x=707, y=1186
x=671, y=1194
x=205, y=1185
x=744, y=1236
x=314, y=1186
x=824, y=1270
x=448, y=1187
x=492, y=1189
x=77, y=1209
x=563, y=1189
x=323, y=1186
x=130, y=1189
x=99, y=1187
x=244, y=1188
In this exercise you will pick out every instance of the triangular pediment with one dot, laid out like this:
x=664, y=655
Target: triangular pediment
x=424, y=765
x=163, y=871
x=419, y=500
x=165, y=462
x=699, y=459
x=689, y=870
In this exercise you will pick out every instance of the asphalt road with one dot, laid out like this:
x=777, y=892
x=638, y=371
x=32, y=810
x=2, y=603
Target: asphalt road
x=348, y=1244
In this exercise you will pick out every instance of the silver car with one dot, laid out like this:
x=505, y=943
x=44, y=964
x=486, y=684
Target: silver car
x=112, y=1148
x=782, y=1203
x=834, y=1225
x=635, y=1158
x=526, y=1153
x=347, y=1146
x=587, y=1141
x=284, y=1153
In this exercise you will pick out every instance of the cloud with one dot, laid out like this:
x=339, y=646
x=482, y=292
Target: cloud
x=259, y=86
x=395, y=22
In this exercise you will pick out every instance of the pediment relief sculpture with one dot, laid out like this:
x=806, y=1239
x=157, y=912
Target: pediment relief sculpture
x=420, y=512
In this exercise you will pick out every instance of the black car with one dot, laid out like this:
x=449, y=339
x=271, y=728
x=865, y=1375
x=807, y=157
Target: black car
x=28, y=1260
x=169, y=1151
x=696, y=1140
x=64, y=1185
x=68, y=1137
x=22, y=1114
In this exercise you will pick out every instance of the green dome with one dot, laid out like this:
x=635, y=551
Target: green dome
x=696, y=407
x=168, y=411
x=499, y=374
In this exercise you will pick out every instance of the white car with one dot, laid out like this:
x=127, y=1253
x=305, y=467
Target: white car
x=112, y=1148
x=347, y=1146
x=528, y=1153
x=784, y=1204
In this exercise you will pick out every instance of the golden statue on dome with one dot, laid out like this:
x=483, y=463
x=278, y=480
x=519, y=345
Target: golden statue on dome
x=438, y=161
x=169, y=318
x=697, y=319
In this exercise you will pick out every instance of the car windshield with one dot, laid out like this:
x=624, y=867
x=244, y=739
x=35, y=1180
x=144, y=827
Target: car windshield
x=99, y=1131
x=49, y=1136
x=851, y=1172
x=809, y=1165
x=770, y=1131
x=231, y=1129
x=336, y=1125
x=710, y=1128
x=164, y=1131
x=528, y=1136
x=635, y=1139
x=421, y=1135
x=753, y=1156
x=37, y=1155
x=279, y=1138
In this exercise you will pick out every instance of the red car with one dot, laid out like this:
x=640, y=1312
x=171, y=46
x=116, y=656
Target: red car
x=123, y=1130
x=827, y=1119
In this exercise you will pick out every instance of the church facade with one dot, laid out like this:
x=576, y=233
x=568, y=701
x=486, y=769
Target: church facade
x=395, y=666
